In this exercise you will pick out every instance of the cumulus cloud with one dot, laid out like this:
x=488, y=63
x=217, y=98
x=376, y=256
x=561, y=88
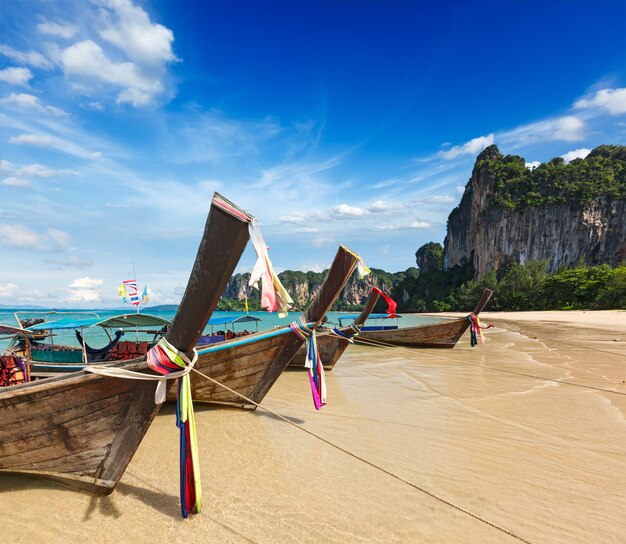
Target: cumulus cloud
x=350, y=211
x=60, y=30
x=86, y=59
x=576, y=154
x=16, y=76
x=613, y=101
x=21, y=237
x=31, y=58
x=86, y=283
x=474, y=146
x=83, y=295
x=29, y=102
x=532, y=165
x=131, y=30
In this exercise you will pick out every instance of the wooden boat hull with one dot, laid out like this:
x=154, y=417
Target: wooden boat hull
x=438, y=335
x=241, y=364
x=80, y=430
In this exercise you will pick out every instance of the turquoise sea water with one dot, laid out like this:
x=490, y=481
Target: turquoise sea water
x=97, y=338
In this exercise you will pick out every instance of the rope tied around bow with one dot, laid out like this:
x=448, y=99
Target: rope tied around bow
x=476, y=329
x=170, y=363
x=313, y=362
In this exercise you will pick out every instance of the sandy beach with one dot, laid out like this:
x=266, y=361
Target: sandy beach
x=526, y=431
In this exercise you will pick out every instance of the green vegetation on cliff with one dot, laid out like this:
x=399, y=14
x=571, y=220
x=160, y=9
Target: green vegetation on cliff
x=601, y=173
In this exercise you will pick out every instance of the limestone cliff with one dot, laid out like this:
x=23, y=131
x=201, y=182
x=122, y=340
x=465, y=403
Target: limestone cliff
x=566, y=214
x=303, y=286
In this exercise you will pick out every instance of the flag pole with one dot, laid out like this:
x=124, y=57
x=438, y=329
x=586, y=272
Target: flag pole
x=135, y=278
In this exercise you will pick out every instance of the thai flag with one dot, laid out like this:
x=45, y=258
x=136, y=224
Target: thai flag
x=132, y=293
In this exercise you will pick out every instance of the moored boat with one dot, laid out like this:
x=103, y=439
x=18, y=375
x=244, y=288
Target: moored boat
x=82, y=429
x=438, y=335
x=250, y=365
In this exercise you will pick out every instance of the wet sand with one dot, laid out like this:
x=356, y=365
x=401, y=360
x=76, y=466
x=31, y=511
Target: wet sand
x=493, y=429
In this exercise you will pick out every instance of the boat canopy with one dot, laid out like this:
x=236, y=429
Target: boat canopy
x=227, y=320
x=371, y=316
x=117, y=321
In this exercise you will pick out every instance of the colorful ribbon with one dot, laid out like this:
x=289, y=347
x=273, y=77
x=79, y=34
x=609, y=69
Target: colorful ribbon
x=476, y=329
x=391, y=304
x=274, y=296
x=165, y=359
x=354, y=330
x=313, y=362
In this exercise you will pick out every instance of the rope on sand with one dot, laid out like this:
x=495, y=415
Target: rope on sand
x=377, y=343
x=370, y=463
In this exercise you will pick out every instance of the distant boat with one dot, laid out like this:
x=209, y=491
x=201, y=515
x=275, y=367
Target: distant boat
x=251, y=364
x=332, y=343
x=82, y=429
x=437, y=335
x=50, y=359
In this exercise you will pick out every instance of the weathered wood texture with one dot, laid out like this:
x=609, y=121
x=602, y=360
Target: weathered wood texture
x=439, y=335
x=251, y=368
x=330, y=346
x=83, y=429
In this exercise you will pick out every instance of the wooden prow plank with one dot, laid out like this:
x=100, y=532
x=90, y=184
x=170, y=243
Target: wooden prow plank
x=369, y=306
x=214, y=265
x=483, y=301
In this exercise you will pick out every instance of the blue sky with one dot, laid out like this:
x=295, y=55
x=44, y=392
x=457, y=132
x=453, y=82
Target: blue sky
x=353, y=122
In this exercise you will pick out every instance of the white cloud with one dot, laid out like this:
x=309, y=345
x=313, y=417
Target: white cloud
x=568, y=128
x=133, y=32
x=13, y=181
x=350, y=211
x=474, y=146
x=37, y=140
x=87, y=60
x=611, y=100
x=29, y=102
x=532, y=165
x=21, y=237
x=381, y=206
x=59, y=30
x=7, y=289
x=16, y=76
x=32, y=58
x=86, y=283
x=576, y=154
x=43, y=140
x=83, y=295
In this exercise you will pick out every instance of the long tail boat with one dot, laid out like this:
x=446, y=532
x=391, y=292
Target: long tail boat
x=83, y=429
x=332, y=343
x=251, y=364
x=438, y=335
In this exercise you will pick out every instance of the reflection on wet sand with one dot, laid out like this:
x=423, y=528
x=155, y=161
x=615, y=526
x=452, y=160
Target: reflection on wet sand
x=492, y=429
